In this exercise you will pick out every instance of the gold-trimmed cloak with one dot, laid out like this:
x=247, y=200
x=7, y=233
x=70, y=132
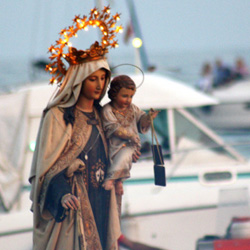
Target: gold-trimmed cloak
x=57, y=148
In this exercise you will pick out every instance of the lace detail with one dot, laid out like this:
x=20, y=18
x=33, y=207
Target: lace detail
x=81, y=131
x=125, y=118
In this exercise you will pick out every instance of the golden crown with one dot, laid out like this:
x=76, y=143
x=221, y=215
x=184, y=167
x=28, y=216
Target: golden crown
x=101, y=19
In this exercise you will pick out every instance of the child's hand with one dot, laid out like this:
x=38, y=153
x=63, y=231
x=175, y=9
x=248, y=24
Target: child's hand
x=135, y=139
x=153, y=113
x=136, y=155
x=119, y=188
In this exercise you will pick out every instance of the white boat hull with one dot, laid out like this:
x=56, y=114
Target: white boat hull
x=225, y=116
x=233, y=110
x=176, y=216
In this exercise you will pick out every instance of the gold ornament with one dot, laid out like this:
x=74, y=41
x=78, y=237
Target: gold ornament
x=106, y=24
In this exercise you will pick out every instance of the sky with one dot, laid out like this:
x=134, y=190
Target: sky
x=29, y=27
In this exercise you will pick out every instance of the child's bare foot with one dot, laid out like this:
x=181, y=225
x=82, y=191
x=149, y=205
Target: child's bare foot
x=119, y=188
x=108, y=185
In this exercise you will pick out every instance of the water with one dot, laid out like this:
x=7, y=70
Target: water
x=181, y=65
x=17, y=73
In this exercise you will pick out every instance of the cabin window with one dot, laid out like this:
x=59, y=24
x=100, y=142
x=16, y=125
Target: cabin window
x=217, y=176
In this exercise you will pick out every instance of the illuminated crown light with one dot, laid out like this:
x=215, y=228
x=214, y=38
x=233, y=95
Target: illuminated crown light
x=106, y=24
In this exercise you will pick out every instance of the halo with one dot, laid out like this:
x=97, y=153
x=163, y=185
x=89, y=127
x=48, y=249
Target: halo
x=106, y=24
x=129, y=64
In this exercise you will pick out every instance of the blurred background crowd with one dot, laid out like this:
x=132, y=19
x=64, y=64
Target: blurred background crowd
x=220, y=73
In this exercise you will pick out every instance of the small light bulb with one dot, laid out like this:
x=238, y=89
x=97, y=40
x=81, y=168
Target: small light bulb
x=137, y=42
x=86, y=28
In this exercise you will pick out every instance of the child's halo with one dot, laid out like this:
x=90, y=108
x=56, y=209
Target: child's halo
x=129, y=64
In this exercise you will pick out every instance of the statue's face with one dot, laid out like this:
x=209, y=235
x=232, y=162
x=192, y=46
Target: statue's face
x=93, y=85
x=124, y=98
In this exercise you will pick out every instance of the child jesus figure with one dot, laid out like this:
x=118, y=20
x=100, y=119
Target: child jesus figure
x=122, y=122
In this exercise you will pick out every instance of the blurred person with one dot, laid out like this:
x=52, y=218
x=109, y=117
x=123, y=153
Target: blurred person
x=222, y=73
x=205, y=83
x=241, y=70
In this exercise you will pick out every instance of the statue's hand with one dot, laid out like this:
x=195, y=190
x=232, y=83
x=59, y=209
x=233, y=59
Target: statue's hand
x=69, y=201
x=136, y=155
x=153, y=113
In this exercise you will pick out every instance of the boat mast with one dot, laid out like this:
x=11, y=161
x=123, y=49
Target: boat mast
x=137, y=31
